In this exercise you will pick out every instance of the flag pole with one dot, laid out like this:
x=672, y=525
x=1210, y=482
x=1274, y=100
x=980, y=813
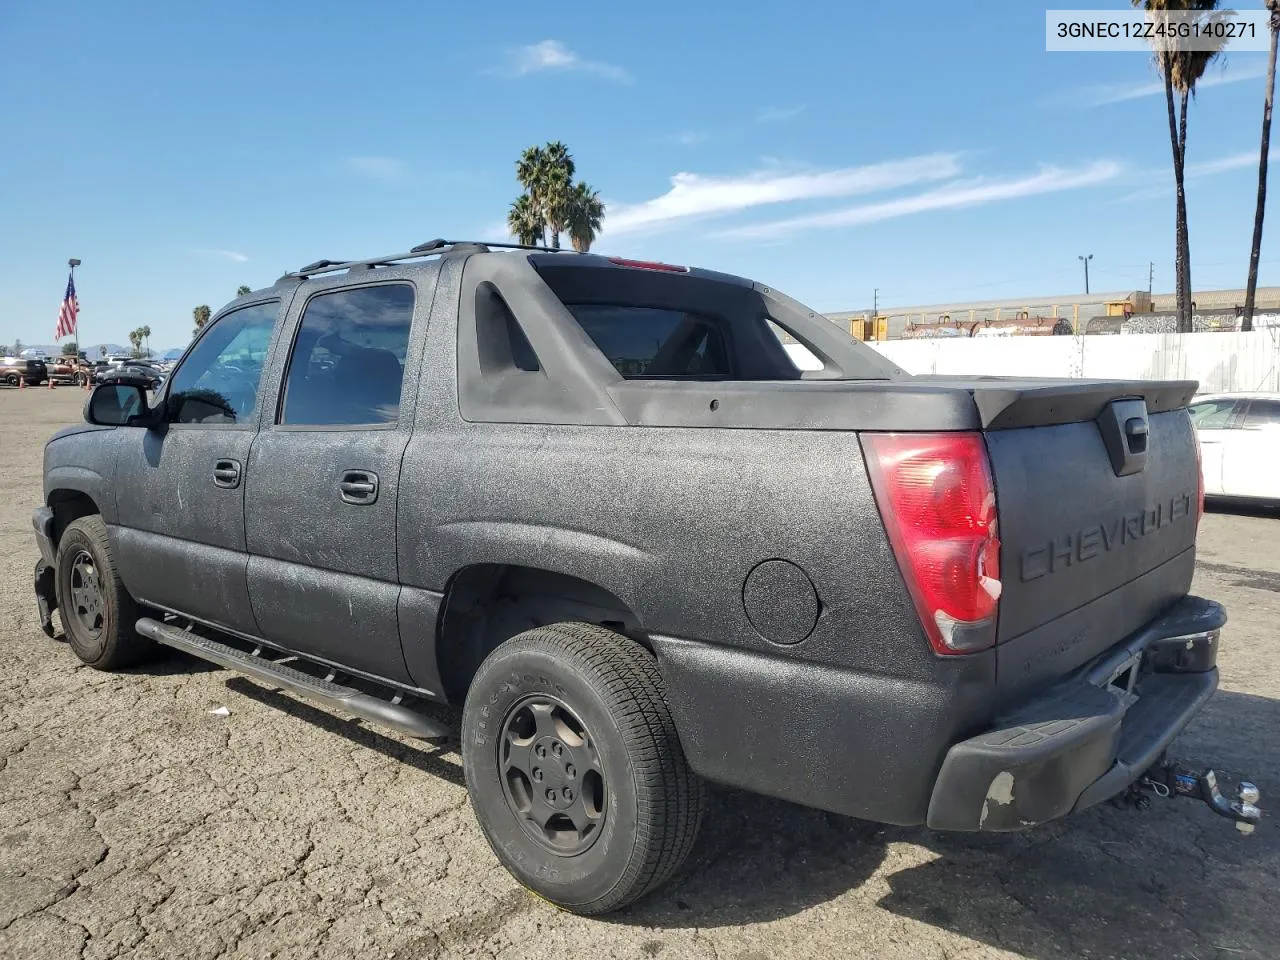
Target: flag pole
x=73, y=263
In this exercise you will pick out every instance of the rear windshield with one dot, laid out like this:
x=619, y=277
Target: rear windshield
x=655, y=342
x=658, y=325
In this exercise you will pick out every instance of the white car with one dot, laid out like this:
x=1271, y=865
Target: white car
x=1239, y=436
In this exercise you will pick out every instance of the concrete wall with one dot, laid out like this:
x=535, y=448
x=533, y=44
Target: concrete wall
x=1220, y=361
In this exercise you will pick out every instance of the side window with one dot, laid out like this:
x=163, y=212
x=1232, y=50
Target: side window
x=218, y=381
x=654, y=342
x=347, y=362
x=1211, y=414
x=1262, y=413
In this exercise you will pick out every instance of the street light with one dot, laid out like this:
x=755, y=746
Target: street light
x=1085, y=260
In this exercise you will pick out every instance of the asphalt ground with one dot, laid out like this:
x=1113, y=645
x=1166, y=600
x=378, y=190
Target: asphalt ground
x=135, y=822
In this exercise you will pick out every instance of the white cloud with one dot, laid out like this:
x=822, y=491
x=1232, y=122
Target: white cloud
x=231, y=255
x=554, y=56
x=1223, y=164
x=779, y=114
x=379, y=168
x=1194, y=171
x=1101, y=95
x=695, y=195
x=970, y=193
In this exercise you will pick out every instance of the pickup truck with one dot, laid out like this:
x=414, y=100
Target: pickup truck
x=16, y=371
x=593, y=502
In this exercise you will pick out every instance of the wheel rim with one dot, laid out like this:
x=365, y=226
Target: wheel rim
x=87, y=604
x=552, y=777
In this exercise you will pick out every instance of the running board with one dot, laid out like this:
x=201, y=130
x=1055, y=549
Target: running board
x=363, y=705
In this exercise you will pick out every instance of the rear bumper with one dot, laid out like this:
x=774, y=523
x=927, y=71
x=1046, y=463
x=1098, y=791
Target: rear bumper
x=1086, y=739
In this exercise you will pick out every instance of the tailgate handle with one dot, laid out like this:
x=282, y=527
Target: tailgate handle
x=1126, y=433
x=1135, y=430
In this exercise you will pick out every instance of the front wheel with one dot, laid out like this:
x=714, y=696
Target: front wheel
x=575, y=769
x=97, y=612
x=12, y=379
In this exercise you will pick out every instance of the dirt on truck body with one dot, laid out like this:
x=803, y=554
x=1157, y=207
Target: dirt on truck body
x=594, y=502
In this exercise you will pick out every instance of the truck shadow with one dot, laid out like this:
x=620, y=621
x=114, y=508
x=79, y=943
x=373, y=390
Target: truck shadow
x=1171, y=881
x=427, y=756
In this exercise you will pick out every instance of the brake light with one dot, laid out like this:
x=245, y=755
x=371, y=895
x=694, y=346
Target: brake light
x=648, y=265
x=938, y=504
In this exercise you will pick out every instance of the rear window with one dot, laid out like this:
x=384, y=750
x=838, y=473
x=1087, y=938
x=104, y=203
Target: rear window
x=652, y=342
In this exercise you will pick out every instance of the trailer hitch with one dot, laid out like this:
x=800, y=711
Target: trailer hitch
x=1171, y=779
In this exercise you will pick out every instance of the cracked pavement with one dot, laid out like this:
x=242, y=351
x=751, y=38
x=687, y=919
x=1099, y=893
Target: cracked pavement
x=135, y=823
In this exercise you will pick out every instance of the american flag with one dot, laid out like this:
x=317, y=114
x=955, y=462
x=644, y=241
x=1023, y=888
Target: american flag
x=69, y=310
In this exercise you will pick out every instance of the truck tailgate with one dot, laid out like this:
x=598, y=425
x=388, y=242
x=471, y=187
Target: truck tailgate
x=1093, y=544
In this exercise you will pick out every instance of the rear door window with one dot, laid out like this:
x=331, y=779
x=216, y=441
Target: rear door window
x=652, y=342
x=1262, y=413
x=347, y=363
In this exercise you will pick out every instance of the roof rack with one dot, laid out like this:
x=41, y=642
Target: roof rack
x=430, y=248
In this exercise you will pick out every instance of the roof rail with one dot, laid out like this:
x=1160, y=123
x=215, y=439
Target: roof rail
x=430, y=248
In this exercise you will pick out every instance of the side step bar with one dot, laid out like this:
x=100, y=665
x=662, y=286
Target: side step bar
x=317, y=689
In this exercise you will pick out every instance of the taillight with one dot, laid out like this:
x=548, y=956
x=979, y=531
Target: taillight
x=648, y=265
x=938, y=504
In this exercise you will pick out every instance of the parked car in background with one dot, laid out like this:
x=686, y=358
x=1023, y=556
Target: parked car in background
x=69, y=370
x=132, y=371
x=13, y=370
x=1239, y=436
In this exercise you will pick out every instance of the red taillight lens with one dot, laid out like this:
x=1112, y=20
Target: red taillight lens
x=648, y=265
x=938, y=504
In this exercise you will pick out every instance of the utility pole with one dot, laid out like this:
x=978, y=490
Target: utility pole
x=1151, y=274
x=1085, y=260
x=875, y=303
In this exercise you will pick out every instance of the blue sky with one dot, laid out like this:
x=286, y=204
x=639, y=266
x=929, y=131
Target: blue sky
x=180, y=150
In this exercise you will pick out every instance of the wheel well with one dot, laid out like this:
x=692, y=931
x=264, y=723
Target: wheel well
x=69, y=506
x=489, y=603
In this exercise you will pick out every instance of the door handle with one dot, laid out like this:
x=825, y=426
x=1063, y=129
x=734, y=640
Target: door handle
x=359, y=487
x=226, y=473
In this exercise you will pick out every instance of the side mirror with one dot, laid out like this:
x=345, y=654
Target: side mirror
x=117, y=405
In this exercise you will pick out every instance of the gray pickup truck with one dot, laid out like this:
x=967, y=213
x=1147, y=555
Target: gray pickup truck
x=592, y=501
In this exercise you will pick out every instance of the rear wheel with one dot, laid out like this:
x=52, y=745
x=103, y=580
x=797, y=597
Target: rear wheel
x=12, y=379
x=97, y=612
x=575, y=769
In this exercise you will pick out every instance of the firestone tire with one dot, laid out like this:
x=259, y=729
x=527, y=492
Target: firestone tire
x=97, y=613
x=580, y=710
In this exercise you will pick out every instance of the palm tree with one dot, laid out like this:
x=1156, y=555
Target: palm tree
x=146, y=335
x=243, y=289
x=135, y=337
x=586, y=214
x=1251, y=288
x=1181, y=71
x=557, y=201
x=201, y=315
x=531, y=171
x=525, y=221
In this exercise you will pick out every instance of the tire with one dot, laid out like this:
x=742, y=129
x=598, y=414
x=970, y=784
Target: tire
x=613, y=722
x=99, y=628
x=12, y=379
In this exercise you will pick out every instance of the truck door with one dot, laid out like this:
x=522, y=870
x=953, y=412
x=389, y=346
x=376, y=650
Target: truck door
x=324, y=475
x=180, y=541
